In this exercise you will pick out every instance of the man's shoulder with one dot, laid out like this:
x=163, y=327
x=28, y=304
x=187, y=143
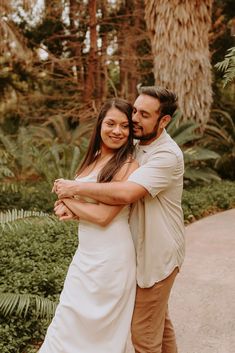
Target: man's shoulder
x=168, y=146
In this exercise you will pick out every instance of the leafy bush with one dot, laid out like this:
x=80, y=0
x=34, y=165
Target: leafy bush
x=34, y=259
x=35, y=196
x=49, y=151
x=200, y=201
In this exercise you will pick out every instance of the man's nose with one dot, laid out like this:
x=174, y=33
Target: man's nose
x=135, y=117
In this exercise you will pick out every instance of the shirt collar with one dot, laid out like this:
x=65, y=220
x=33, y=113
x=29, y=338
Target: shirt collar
x=160, y=140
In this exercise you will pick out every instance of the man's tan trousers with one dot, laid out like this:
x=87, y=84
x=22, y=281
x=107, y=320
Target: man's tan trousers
x=152, y=330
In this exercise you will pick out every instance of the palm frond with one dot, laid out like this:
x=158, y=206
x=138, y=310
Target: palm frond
x=227, y=66
x=7, y=143
x=19, y=305
x=75, y=159
x=13, y=215
x=58, y=160
x=23, y=223
x=204, y=174
x=5, y=171
x=60, y=125
x=197, y=153
x=218, y=134
x=11, y=186
x=186, y=133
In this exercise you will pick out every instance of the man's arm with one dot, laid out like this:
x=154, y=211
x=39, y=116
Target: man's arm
x=114, y=193
x=151, y=178
x=118, y=192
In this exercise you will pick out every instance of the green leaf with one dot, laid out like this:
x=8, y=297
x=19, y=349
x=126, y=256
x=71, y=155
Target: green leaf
x=196, y=153
x=203, y=174
x=19, y=304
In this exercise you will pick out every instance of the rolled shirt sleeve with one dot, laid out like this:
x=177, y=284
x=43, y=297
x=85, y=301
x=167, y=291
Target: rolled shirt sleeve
x=157, y=173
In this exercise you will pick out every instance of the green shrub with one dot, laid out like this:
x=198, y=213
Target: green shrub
x=34, y=259
x=200, y=201
x=35, y=196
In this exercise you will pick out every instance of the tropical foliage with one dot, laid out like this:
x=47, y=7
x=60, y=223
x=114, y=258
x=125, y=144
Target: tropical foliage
x=49, y=151
x=188, y=136
x=220, y=137
x=227, y=67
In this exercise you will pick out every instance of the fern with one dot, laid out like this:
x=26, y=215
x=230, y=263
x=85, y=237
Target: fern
x=227, y=66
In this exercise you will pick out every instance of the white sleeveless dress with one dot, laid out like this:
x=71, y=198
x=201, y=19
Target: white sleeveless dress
x=97, y=301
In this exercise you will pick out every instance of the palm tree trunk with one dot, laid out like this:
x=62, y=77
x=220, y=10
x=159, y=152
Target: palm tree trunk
x=179, y=36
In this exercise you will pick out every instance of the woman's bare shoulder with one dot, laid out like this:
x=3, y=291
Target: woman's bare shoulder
x=127, y=168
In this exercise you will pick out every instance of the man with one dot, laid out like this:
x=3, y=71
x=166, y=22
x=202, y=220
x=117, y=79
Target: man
x=156, y=220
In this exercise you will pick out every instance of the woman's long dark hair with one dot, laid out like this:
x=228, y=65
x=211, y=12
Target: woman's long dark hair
x=121, y=155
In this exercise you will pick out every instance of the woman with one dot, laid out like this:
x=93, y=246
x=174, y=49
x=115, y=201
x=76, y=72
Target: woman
x=97, y=300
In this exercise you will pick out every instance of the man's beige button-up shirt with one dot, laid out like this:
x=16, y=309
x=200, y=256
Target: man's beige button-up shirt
x=157, y=220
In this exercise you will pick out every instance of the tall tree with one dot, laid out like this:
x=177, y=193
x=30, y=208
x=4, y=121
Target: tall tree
x=12, y=41
x=92, y=57
x=76, y=36
x=179, y=36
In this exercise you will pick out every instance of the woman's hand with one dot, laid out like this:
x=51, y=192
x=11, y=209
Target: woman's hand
x=64, y=188
x=63, y=212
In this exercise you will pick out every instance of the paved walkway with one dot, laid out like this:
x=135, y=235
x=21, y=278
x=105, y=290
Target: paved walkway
x=202, y=303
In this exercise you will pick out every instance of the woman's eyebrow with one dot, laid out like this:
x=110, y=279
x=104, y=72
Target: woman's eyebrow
x=111, y=119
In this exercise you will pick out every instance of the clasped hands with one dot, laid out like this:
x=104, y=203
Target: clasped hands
x=63, y=189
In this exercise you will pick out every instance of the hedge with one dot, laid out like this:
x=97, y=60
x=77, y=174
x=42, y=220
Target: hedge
x=34, y=259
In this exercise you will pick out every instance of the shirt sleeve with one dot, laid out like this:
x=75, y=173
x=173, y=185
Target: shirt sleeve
x=157, y=173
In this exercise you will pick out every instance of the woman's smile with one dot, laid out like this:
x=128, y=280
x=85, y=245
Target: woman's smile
x=114, y=129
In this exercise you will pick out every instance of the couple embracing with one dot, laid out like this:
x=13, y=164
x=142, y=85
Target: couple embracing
x=131, y=232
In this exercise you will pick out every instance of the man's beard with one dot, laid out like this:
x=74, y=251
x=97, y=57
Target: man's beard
x=146, y=137
x=149, y=136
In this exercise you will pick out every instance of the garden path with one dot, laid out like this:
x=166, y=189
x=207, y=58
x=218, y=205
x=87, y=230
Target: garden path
x=202, y=304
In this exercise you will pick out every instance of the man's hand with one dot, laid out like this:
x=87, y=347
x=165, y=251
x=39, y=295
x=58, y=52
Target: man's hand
x=64, y=188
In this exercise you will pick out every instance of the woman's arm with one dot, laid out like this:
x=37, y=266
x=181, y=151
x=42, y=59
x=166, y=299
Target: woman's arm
x=100, y=213
x=63, y=212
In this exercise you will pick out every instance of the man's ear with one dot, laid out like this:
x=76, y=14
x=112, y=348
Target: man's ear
x=165, y=121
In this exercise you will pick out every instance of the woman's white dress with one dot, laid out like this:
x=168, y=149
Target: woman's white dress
x=97, y=301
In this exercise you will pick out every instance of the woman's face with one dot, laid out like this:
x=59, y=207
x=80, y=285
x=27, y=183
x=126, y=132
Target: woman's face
x=114, y=129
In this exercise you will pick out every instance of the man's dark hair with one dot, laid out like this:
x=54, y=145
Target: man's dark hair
x=168, y=100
